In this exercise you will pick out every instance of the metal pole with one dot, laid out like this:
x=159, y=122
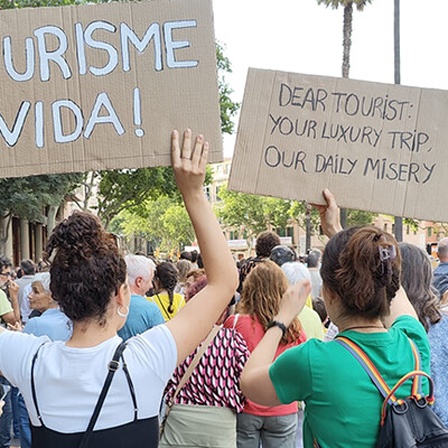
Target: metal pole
x=398, y=222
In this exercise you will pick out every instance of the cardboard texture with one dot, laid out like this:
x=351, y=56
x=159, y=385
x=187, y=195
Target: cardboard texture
x=102, y=86
x=377, y=147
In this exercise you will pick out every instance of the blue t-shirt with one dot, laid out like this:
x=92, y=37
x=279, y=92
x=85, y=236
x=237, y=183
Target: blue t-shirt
x=439, y=366
x=440, y=281
x=142, y=316
x=52, y=323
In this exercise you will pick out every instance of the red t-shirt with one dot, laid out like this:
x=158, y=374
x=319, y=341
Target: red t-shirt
x=252, y=331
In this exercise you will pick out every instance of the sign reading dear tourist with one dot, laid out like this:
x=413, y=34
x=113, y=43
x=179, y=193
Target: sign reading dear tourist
x=101, y=86
x=378, y=147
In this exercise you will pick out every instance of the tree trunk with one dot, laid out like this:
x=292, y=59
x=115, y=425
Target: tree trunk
x=347, y=39
x=398, y=221
x=346, y=47
x=308, y=228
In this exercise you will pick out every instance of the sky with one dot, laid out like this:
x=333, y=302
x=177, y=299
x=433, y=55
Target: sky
x=301, y=36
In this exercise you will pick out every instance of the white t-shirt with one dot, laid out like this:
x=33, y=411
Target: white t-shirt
x=69, y=380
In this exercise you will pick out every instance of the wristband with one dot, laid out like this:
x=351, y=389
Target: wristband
x=276, y=323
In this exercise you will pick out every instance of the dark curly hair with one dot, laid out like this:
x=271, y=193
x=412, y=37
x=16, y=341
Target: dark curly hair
x=265, y=242
x=87, y=269
x=167, y=275
x=362, y=266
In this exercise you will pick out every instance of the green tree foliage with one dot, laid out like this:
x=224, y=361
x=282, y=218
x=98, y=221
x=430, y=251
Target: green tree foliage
x=27, y=197
x=228, y=107
x=298, y=214
x=128, y=189
x=336, y=3
x=163, y=221
x=6, y=4
x=252, y=214
x=359, y=218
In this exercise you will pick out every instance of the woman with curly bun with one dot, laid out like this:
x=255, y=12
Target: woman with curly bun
x=361, y=288
x=165, y=282
x=93, y=391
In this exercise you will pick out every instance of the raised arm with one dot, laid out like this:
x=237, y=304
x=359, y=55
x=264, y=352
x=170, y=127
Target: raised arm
x=399, y=306
x=192, y=324
x=256, y=383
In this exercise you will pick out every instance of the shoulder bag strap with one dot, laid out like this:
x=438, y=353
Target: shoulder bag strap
x=33, y=385
x=375, y=375
x=359, y=354
x=416, y=384
x=193, y=365
x=131, y=387
x=113, y=366
x=378, y=380
x=235, y=320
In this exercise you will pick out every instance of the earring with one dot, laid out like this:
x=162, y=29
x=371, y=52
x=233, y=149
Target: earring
x=120, y=313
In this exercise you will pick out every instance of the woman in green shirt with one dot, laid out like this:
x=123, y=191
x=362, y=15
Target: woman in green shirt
x=360, y=272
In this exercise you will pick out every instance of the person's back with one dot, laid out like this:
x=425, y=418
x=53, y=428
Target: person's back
x=183, y=267
x=165, y=281
x=310, y=320
x=360, y=272
x=313, y=261
x=28, y=271
x=204, y=409
x=142, y=314
x=263, y=288
x=264, y=243
x=438, y=342
x=51, y=322
x=206, y=406
x=332, y=382
x=441, y=271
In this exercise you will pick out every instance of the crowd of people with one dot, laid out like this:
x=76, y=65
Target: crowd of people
x=104, y=349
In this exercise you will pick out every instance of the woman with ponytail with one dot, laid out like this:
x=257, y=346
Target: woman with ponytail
x=94, y=391
x=165, y=282
x=361, y=288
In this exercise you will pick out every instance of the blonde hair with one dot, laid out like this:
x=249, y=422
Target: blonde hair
x=262, y=293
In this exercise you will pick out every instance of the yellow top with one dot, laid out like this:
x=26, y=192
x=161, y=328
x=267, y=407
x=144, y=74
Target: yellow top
x=162, y=301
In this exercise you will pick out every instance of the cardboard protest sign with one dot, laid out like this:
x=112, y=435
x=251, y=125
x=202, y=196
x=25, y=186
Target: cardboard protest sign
x=102, y=86
x=377, y=147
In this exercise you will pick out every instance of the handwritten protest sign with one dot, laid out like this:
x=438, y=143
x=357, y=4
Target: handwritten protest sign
x=377, y=147
x=101, y=86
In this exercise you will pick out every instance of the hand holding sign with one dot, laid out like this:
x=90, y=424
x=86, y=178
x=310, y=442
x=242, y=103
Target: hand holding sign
x=329, y=215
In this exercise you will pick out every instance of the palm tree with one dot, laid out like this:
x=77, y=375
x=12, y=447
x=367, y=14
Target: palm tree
x=346, y=45
x=347, y=28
